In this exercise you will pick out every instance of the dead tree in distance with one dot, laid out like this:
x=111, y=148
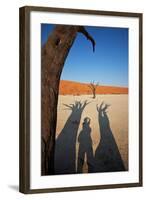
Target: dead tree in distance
x=53, y=56
x=93, y=87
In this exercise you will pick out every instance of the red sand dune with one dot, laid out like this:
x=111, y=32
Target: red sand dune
x=76, y=88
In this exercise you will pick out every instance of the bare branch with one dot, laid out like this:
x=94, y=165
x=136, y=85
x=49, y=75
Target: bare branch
x=88, y=36
x=91, y=86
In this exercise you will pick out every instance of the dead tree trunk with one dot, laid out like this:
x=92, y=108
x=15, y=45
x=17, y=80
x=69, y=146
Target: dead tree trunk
x=93, y=87
x=53, y=57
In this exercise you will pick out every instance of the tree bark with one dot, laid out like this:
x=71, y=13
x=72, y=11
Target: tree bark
x=53, y=57
x=94, y=94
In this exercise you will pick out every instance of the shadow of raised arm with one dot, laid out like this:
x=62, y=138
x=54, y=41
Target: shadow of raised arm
x=65, y=147
x=102, y=115
x=107, y=154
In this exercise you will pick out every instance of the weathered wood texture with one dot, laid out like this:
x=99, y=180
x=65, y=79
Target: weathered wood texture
x=54, y=54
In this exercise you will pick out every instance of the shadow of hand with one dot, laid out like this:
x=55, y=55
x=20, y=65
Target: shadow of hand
x=77, y=106
x=102, y=110
x=103, y=107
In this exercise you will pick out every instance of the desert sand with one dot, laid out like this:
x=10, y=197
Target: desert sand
x=106, y=133
x=77, y=88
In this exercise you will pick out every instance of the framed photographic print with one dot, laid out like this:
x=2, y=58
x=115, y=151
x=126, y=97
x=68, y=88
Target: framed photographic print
x=80, y=99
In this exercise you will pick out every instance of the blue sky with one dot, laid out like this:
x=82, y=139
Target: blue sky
x=108, y=65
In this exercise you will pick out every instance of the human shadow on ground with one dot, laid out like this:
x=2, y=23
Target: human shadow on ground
x=65, y=147
x=107, y=155
x=85, y=147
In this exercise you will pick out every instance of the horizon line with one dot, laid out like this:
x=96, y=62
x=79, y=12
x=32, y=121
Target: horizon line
x=95, y=82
